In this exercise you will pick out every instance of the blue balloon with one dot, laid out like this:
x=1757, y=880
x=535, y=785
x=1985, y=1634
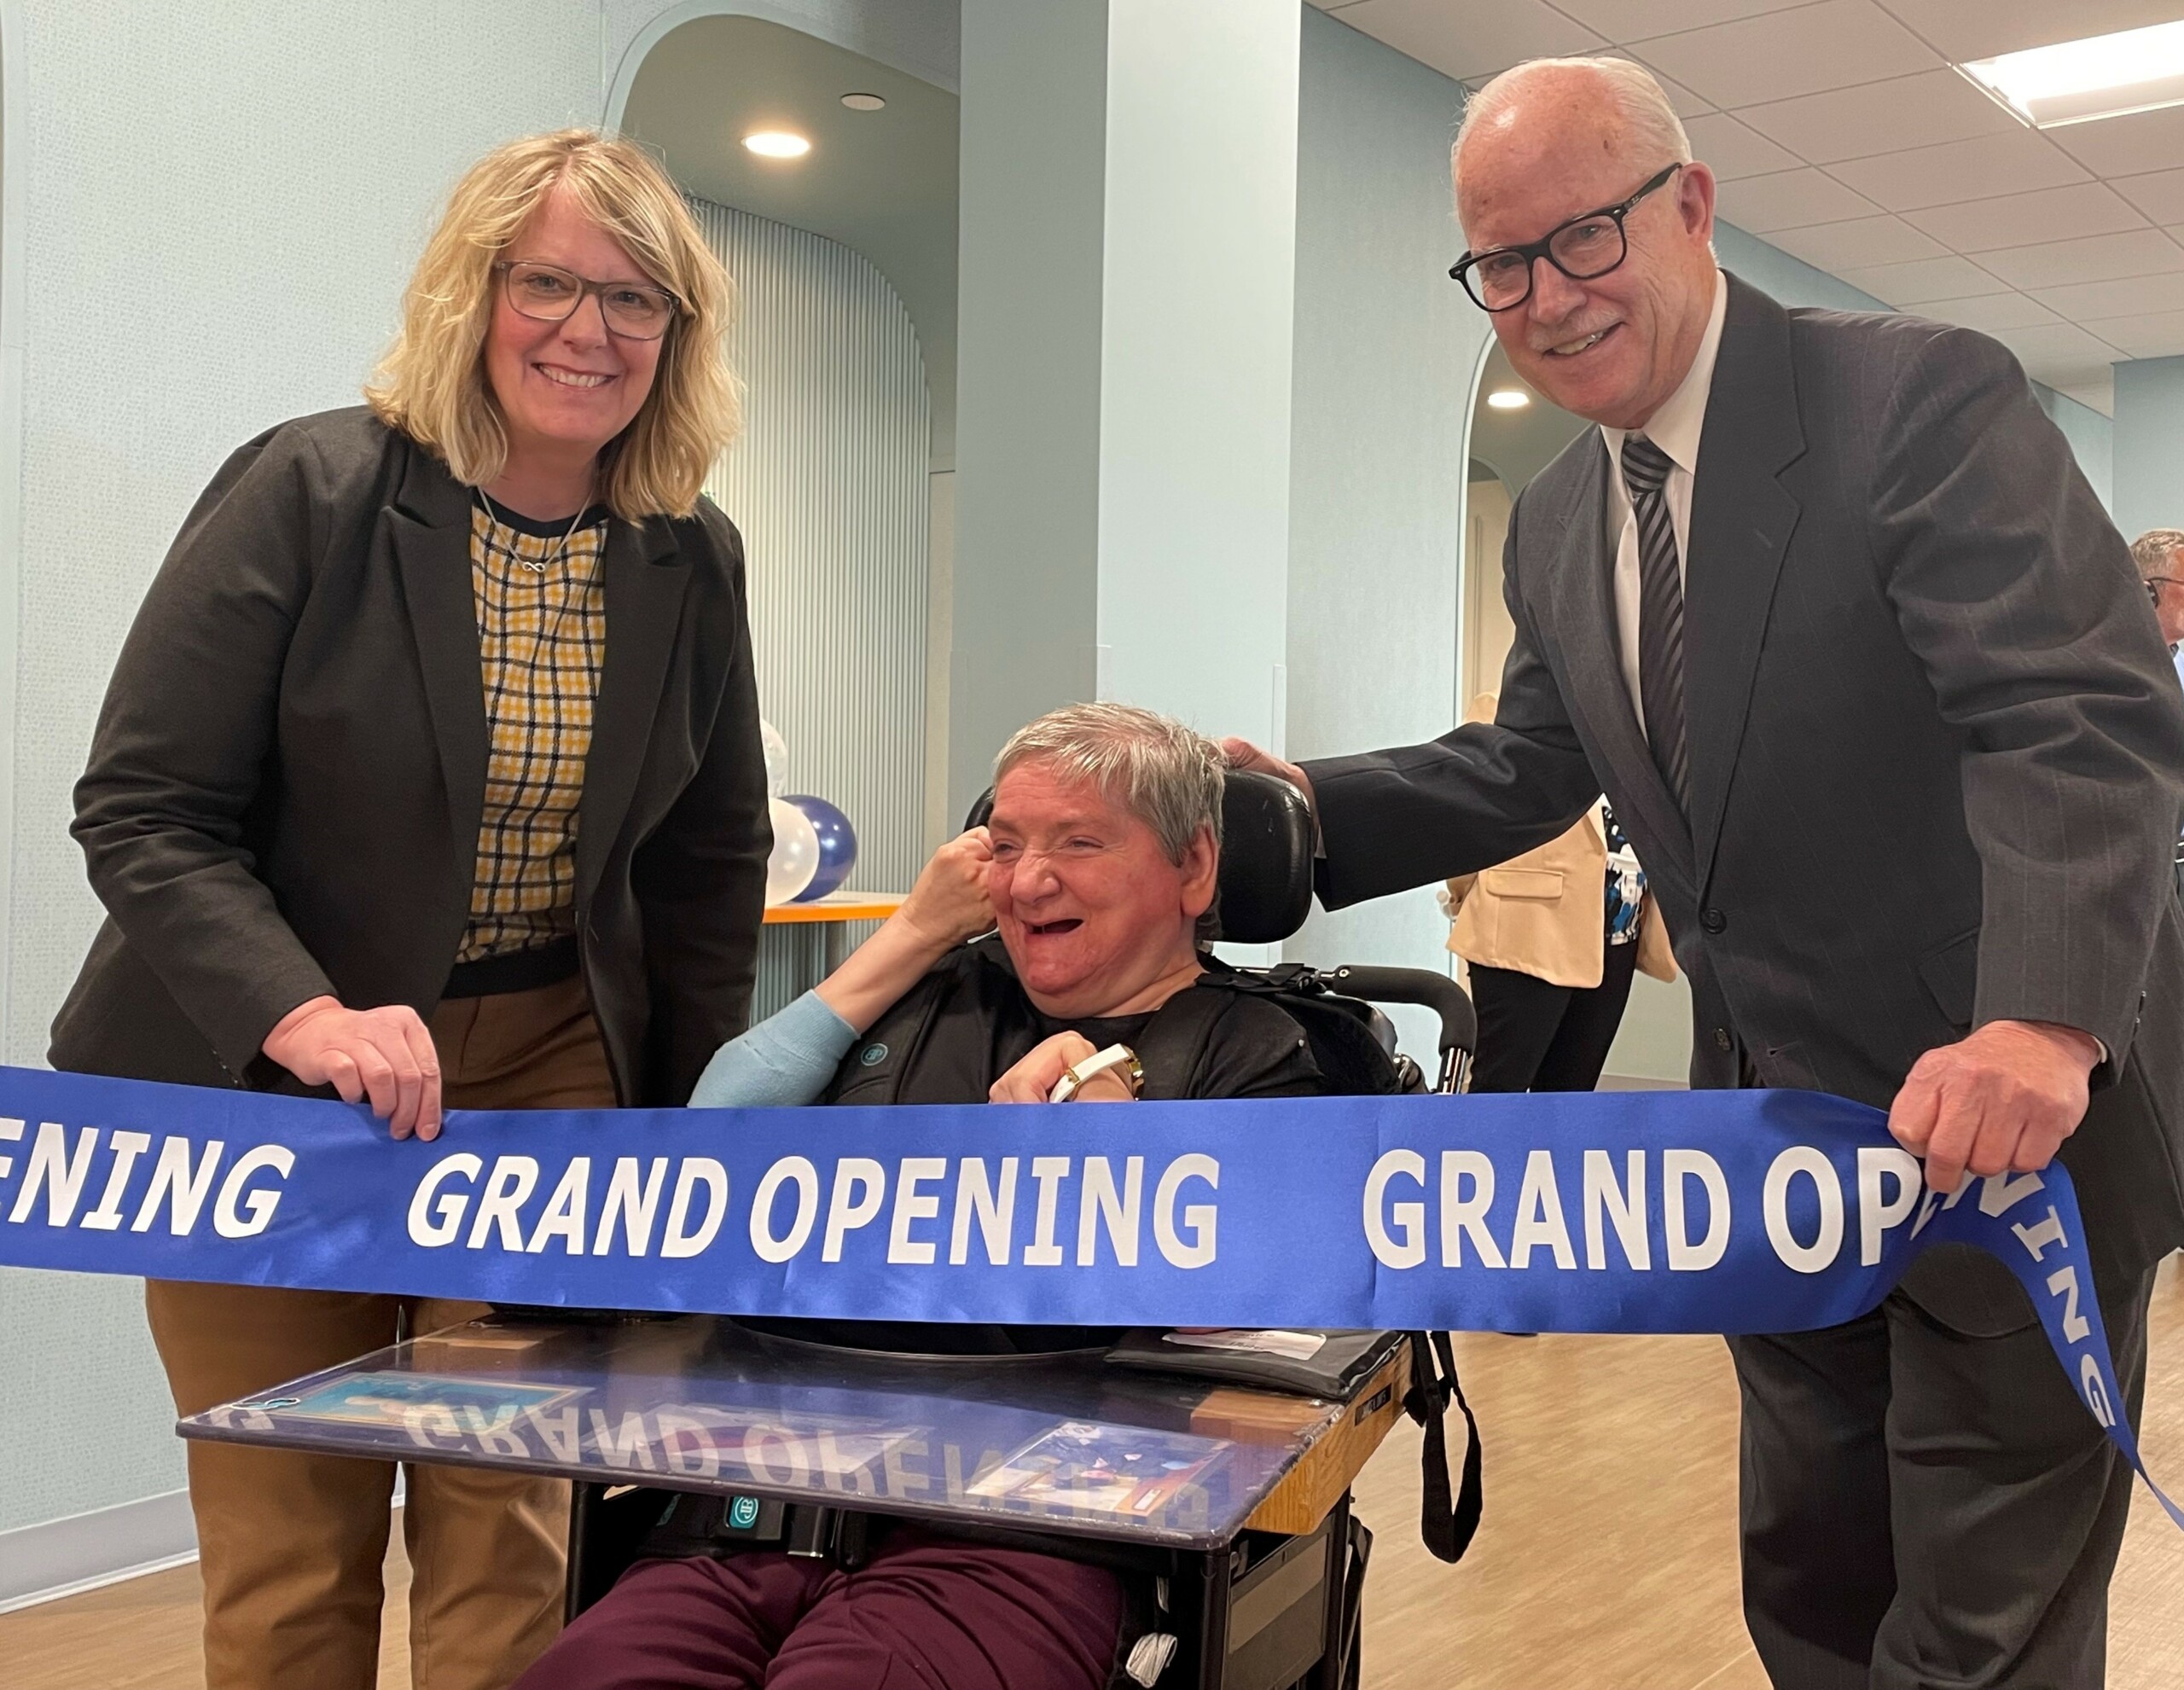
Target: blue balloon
x=837, y=846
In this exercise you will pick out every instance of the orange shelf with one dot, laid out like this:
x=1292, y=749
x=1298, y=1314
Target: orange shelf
x=836, y=907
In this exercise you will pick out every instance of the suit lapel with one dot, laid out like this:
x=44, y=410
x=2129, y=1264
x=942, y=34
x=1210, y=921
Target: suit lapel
x=1584, y=611
x=1741, y=521
x=646, y=579
x=430, y=526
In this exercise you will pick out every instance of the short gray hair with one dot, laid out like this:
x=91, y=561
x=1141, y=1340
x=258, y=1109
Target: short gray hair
x=2154, y=550
x=1655, y=129
x=1163, y=774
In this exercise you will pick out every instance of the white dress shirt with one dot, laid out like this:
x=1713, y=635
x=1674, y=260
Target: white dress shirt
x=1674, y=428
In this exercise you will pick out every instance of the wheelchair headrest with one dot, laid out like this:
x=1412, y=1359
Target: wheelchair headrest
x=1264, y=885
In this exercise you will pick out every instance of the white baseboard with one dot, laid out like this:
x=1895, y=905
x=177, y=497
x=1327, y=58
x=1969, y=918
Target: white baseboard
x=53, y=1558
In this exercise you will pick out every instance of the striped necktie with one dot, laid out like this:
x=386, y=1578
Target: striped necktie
x=1660, y=614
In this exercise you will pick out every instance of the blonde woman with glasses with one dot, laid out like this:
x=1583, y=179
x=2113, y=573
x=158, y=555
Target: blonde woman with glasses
x=430, y=777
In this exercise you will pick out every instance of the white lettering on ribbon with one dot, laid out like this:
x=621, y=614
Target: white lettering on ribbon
x=184, y=1188
x=424, y=1228
x=275, y=1159
x=860, y=1187
x=994, y=1212
x=508, y=1188
x=1623, y=1204
x=56, y=1170
x=912, y=1205
x=1676, y=1167
x=1539, y=1215
x=679, y=1241
x=1098, y=1200
x=1406, y=1247
x=1877, y=1214
x=768, y=1247
x=1048, y=1172
x=566, y=1211
x=630, y=1203
x=1199, y=1219
x=126, y=1146
x=1827, y=1243
x=1464, y=1216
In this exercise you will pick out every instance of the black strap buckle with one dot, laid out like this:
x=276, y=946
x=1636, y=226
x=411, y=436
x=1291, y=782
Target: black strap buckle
x=717, y=1525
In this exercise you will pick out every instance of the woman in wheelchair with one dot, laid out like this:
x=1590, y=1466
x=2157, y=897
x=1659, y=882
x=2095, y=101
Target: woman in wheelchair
x=1096, y=869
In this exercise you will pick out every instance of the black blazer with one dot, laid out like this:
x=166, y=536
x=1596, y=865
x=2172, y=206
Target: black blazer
x=286, y=785
x=1937, y=746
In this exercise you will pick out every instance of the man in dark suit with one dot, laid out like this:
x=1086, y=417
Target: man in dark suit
x=1825, y=608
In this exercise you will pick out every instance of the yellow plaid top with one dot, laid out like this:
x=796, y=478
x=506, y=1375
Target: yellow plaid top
x=541, y=639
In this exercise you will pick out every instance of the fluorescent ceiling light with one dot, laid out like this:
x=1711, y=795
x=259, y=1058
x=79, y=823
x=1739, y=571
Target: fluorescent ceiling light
x=777, y=143
x=2104, y=76
x=1508, y=398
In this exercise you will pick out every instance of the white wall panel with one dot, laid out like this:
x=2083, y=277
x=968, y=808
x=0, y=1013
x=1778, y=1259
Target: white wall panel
x=830, y=488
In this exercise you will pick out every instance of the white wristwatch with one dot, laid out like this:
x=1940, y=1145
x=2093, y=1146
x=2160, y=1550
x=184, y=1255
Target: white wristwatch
x=1114, y=1056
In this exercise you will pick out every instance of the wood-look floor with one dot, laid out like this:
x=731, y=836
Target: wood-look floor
x=1607, y=1560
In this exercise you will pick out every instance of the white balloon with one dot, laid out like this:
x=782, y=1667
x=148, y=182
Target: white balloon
x=796, y=853
x=776, y=759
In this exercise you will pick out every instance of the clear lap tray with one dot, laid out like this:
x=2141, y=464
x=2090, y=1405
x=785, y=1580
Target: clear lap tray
x=1060, y=1444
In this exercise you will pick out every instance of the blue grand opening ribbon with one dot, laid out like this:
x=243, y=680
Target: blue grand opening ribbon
x=1611, y=1212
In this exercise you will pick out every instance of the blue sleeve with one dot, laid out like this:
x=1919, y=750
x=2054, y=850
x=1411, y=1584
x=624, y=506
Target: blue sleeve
x=785, y=1060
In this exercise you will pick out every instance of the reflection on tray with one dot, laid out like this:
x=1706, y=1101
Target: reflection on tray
x=1110, y=1469
x=773, y=1448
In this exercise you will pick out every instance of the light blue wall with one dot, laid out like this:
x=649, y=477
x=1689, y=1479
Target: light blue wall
x=1386, y=352
x=2149, y=445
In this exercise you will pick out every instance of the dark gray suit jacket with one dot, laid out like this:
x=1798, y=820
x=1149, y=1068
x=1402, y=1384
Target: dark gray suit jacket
x=1937, y=746
x=284, y=791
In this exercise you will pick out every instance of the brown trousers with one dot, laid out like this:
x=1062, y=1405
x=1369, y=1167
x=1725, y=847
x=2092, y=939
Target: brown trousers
x=291, y=1545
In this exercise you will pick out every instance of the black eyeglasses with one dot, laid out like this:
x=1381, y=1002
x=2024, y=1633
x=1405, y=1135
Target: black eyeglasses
x=2156, y=582
x=636, y=310
x=1586, y=247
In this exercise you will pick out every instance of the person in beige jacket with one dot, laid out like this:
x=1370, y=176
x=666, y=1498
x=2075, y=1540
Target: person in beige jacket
x=1552, y=938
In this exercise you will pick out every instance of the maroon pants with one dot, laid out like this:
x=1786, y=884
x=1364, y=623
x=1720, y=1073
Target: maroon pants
x=923, y=1614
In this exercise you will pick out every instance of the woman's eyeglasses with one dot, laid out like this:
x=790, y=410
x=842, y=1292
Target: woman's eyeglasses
x=636, y=310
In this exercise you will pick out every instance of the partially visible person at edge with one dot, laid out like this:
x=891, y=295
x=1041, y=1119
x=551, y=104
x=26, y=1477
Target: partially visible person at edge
x=430, y=775
x=1825, y=608
x=1552, y=938
x=2159, y=555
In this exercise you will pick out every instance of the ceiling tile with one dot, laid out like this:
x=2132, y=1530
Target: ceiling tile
x=1734, y=151
x=1471, y=38
x=2057, y=350
x=1880, y=117
x=1857, y=243
x=1687, y=104
x=2134, y=296
x=2158, y=335
x=1993, y=165
x=2023, y=219
x=1979, y=29
x=1784, y=55
x=2160, y=195
x=1923, y=279
x=2127, y=145
x=1991, y=314
x=2098, y=257
x=1635, y=19
x=1789, y=200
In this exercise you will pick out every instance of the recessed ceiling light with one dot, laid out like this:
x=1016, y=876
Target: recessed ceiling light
x=1508, y=398
x=2103, y=76
x=864, y=102
x=777, y=144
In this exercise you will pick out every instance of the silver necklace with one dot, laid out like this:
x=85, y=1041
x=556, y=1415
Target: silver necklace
x=560, y=552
